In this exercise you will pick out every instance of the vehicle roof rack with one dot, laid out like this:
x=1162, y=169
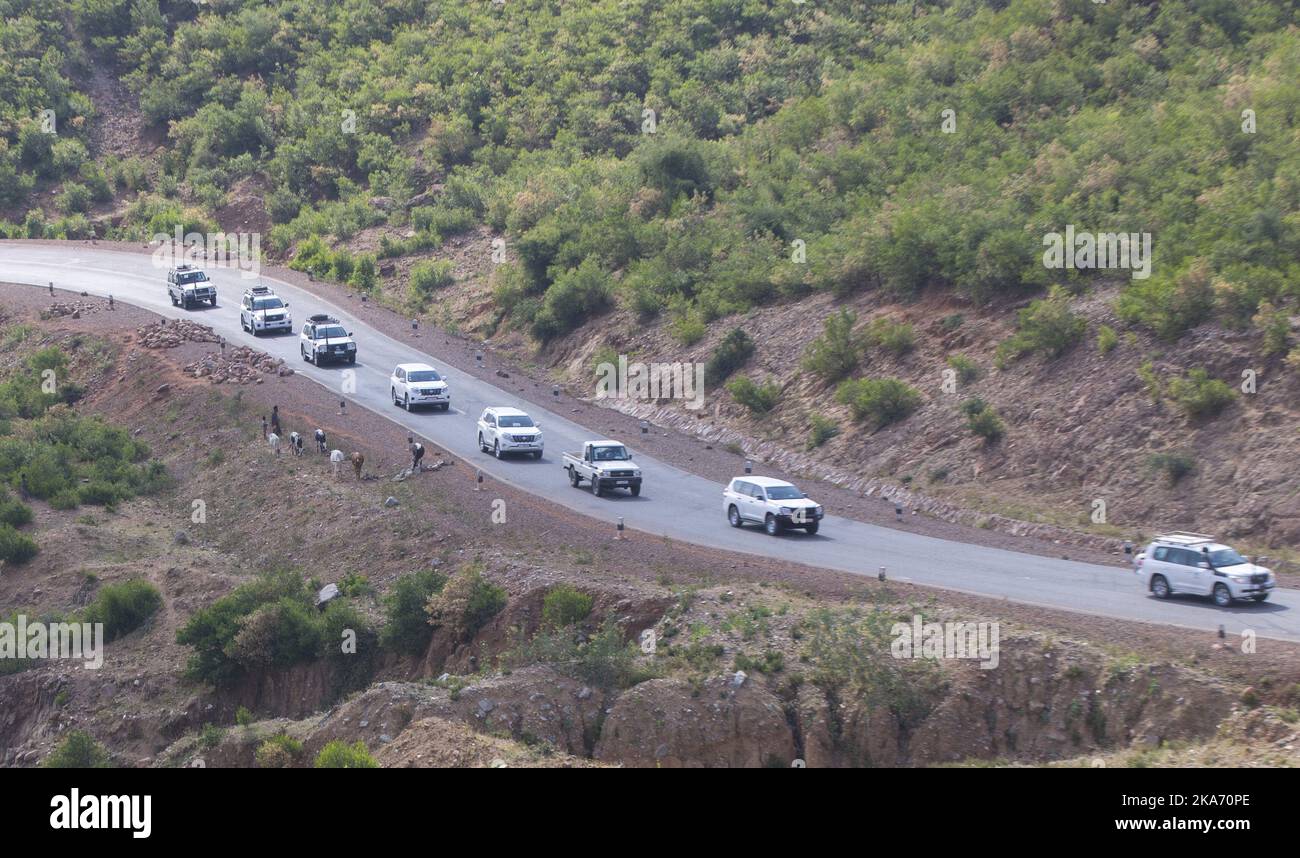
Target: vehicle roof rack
x=1186, y=536
x=323, y=318
x=260, y=289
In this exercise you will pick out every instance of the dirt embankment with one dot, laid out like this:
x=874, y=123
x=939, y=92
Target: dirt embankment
x=264, y=511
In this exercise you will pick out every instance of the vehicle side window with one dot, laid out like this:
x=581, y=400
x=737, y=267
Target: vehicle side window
x=401, y=375
x=491, y=420
x=1185, y=557
x=1161, y=554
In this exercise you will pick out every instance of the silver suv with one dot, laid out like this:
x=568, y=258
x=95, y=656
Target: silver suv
x=1195, y=563
x=262, y=311
x=187, y=286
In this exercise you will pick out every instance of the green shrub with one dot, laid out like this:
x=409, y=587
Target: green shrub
x=78, y=751
x=13, y=512
x=822, y=430
x=74, y=199
x=244, y=717
x=1275, y=326
x=16, y=548
x=364, y=274
x=466, y=603
x=604, y=660
x=758, y=398
x=278, y=752
x=1174, y=465
x=1199, y=395
x=1107, y=339
x=1046, y=326
x=688, y=329
x=565, y=606
x=834, y=354
x=967, y=370
x=428, y=277
x=897, y=338
x=729, y=355
x=983, y=420
x=340, y=755
x=1170, y=304
x=406, y=626
x=575, y=296
x=880, y=401
x=355, y=584
x=210, y=736
x=124, y=607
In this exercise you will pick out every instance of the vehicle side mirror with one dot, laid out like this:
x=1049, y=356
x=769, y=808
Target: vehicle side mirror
x=803, y=494
x=349, y=333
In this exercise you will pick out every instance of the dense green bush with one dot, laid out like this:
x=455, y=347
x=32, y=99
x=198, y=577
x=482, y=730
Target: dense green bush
x=730, y=355
x=465, y=603
x=271, y=623
x=1047, y=326
x=340, y=755
x=983, y=420
x=124, y=607
x=967, y=370
x=897, y=338
x=879, y=401
x=1174, y=465
x=428, y=277
x=1199, y=395
x=821, y=430
x=758, y=398
x=78, y=751
x=16, y=547
x=835, y=354
x=605, y=660
x=278, y=752
x=565, y=606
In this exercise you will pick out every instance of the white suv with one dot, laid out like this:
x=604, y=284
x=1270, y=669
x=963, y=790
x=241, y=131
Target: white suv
x=413, y=384
x=508, y=430
x=775, y=504
x=262, y=311
x=1196, y=563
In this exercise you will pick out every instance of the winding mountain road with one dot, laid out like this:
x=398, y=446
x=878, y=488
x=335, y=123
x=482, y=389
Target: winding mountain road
x=674, y=502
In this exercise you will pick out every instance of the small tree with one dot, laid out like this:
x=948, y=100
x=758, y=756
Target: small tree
x=881, y=401
x=340, y=755
x=834, y=354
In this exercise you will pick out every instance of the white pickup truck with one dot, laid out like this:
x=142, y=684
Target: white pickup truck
x=606, y=465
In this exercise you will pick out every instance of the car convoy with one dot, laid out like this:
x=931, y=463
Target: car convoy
x=1175, y=563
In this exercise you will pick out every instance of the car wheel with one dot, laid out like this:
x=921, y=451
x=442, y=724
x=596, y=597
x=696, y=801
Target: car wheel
x=1160, y=587
x=810, y=529
x=771, y=525
x=1222, y=595
x=537, y=454
x=214, y=300
x=304, y=357
x=1263, y=598
x=574, y=479
x=595, y=487
x=406, y=401
x=173, y=297
x=482, y=448
x=733, y=516
x=636, y=491
x=352, y=359
x=496, y=449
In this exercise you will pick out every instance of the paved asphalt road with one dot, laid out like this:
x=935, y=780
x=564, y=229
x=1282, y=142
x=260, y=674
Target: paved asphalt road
x=673, y=502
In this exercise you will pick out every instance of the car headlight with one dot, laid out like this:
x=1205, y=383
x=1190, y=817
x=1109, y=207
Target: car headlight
x=820, y=511
x=321, y=347
x=785, y=510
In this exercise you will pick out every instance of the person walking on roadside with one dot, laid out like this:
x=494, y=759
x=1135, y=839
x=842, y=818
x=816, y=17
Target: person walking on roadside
x=275, y=419
x=417, y=453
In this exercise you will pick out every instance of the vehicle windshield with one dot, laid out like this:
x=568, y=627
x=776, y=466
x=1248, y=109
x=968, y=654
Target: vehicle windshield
x=1226, y=557
x=616, y=453
x=330, y=331
x=267, y=303
x=191, y=277
x=515, y=421
x=783, y=493
x=423, y=375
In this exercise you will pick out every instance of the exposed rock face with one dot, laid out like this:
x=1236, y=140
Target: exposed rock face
x=665, y=722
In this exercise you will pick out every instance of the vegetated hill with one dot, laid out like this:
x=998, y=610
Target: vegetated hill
x=665, y=166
